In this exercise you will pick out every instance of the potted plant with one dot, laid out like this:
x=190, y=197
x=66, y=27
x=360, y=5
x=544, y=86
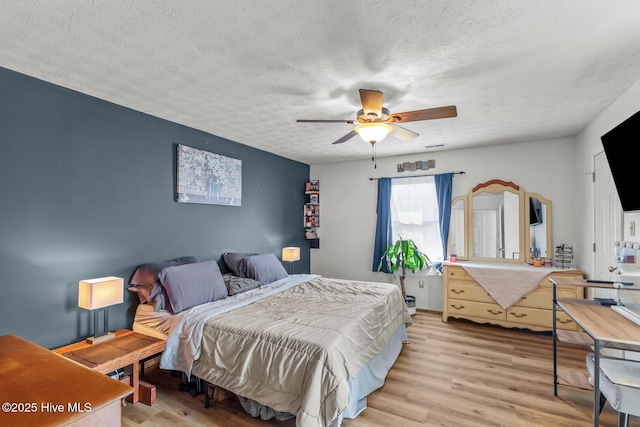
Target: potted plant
x=401, y=256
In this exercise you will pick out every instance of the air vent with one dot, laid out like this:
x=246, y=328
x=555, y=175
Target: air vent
x=434, y=146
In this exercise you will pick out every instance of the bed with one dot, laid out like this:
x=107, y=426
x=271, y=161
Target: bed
x=303, y=344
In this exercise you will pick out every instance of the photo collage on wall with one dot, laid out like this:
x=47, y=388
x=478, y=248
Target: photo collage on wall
x=312, y=209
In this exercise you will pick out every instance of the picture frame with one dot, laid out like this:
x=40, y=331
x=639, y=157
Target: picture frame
x=207, y=178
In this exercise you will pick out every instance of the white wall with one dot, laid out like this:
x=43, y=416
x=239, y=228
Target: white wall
x=348, y=201
x=588, y=144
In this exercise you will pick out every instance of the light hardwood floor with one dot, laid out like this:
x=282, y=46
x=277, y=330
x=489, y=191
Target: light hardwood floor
x=454, y=374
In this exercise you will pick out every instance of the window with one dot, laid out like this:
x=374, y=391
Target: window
x=415, y=215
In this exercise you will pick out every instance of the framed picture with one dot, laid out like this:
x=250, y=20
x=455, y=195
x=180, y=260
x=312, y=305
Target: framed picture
x=313, y=185
x=205, y=177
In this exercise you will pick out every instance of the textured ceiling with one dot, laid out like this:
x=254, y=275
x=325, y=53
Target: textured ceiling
x=246, y=70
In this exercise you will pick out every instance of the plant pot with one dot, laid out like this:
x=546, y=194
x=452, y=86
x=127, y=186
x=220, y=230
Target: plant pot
x=410, y=301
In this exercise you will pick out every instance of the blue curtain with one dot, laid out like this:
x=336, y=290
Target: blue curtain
x=383, y=223
x=444, y=182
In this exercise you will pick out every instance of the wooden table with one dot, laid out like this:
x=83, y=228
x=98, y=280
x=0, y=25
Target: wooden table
x=602, y=324
x=40, y=388
x=128, y=348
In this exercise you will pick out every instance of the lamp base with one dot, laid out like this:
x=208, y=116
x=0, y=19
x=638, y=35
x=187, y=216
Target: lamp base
x=102, y=338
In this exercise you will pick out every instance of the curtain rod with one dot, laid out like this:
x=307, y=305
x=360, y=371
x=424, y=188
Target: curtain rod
x=415, y=176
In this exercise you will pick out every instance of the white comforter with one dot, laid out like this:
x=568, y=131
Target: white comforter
x=185, y=328
x=294, y=351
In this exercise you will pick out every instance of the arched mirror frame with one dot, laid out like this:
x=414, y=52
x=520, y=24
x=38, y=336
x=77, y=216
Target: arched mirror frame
x=465, y=238
x=547, y=222
x=493, y=187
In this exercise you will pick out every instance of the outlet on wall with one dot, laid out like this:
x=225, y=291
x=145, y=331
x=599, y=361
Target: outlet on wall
x=421, y=284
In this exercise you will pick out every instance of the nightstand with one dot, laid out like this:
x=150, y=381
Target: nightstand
x=127, y=349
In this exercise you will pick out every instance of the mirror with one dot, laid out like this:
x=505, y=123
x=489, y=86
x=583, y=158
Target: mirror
x=496, y=222
x=538, y=224
x=458, y=228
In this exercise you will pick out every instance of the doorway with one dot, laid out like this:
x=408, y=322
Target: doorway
x=608, y=222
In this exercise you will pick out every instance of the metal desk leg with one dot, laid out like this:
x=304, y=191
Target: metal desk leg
x=555, y=344
x=596, y=382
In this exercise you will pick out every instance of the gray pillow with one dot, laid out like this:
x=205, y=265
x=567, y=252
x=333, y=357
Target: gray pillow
x=192, y=284
x=145, y=277
x=147, y=274
x=233, y=260
x=265, y=268
x=237, y=285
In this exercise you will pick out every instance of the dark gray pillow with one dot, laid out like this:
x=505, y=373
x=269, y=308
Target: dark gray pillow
x=192, y=284
x=145, y=277
x=265, y=268
x=233, y=260
x=237, y=285
x=147, y=274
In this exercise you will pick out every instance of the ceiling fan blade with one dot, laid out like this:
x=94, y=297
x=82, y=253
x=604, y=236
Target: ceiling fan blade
x=371, y=101
x=326, y=121
x=428, y=114
x=346, y=137
x=403, y=134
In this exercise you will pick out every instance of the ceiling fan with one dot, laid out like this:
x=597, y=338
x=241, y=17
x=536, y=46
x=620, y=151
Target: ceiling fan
x=374, y=122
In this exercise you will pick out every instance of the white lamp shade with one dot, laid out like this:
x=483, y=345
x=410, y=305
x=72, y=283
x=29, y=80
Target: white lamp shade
x=373, y=132
x=100, y=292
x=290, y=254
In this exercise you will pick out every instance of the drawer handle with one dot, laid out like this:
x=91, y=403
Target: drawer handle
x=564, y=321
x=455, y=291
x=494, y=311
x=519, y=315
x=457, y=307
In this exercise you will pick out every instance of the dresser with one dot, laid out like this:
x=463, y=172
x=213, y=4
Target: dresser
x=465, y=298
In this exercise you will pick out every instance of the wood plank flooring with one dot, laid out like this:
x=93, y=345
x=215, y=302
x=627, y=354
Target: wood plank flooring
x=454, y=374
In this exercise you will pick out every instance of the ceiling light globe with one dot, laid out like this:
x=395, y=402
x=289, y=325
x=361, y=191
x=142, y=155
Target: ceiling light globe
x=373, y=132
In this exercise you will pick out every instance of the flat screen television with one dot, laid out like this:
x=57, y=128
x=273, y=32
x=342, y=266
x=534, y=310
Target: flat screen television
x=619, y=146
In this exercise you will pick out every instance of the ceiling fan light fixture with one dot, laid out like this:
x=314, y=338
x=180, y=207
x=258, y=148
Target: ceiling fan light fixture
x=373, y=132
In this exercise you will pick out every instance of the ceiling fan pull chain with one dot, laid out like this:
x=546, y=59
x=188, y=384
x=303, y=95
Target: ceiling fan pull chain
x=373, y=156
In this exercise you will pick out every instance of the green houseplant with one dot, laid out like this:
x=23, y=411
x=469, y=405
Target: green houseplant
x=401, y=256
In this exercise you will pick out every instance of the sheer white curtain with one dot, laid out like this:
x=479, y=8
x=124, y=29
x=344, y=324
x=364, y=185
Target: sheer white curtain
x=414, y=214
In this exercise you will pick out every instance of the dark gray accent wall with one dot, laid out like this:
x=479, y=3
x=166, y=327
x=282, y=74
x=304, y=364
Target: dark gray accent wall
x=88, y=190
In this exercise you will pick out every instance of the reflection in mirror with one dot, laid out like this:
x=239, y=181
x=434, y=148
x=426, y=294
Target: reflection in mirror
x=457, y=228
x=538, y=219
x=496, y=225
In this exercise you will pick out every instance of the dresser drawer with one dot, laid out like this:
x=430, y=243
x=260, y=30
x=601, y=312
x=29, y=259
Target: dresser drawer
x=543, y=297
x=458, y=273
x=459, y=307
x=460, y=289
x=563, y=321
x=540, y=317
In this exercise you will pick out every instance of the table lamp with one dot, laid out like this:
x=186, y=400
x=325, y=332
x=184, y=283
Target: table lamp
x=291, y=254
x=98, y=294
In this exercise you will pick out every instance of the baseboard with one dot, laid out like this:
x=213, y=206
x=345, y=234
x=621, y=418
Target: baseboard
x=424, y=310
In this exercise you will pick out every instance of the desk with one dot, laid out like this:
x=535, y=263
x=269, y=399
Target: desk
x=48, y=390
x=128, y=348
x=603, y=325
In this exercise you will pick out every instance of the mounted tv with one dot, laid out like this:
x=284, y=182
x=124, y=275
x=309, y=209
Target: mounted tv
x=619, y=145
